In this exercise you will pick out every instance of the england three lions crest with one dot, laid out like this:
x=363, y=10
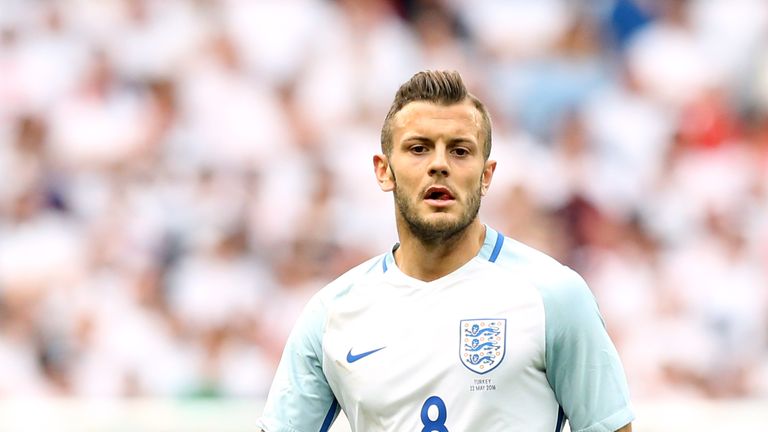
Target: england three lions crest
x=482, y=343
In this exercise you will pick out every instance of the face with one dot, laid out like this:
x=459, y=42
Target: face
x=436, y=168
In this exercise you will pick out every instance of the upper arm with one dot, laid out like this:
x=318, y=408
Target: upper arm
x=582, y=365
x=300, y=398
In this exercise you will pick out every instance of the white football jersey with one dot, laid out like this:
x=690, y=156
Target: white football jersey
x=510, y=341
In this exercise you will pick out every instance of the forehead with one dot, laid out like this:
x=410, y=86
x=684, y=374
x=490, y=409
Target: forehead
x=422, y=117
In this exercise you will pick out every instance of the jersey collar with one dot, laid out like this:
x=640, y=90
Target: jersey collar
x=489, y=251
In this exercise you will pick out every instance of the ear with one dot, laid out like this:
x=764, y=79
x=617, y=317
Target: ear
x=485, y=180
x=383, y=172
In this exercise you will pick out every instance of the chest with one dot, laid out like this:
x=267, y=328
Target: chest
x=471, y=341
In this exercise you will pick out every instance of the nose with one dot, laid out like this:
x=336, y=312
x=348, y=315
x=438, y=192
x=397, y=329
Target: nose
x=439, y=163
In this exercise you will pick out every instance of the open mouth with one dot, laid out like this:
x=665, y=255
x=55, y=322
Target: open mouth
x=438, y=193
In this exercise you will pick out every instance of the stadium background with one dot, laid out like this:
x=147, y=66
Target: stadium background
x=178, y=177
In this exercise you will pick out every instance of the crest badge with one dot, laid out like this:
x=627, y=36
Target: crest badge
x=482, y=343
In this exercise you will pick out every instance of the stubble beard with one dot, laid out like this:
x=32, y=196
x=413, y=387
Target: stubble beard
x=434, y=232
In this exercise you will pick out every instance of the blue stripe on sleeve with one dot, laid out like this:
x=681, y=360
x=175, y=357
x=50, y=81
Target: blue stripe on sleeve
x=329, y=417
x=497, y=247
x=560, y=419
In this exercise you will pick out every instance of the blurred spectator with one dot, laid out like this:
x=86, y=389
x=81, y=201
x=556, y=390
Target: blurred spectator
x=668, y=59
x=625, y=18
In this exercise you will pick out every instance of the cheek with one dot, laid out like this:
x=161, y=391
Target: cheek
x=474, y=180
x=407, y=186
x=404, y=177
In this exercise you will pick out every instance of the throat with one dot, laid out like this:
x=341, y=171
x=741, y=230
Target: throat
x=431, y=260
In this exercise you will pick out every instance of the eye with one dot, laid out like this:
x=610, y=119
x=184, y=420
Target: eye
x=461, y=151
x=418, y=149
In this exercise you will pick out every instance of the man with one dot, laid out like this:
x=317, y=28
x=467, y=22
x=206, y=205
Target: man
x=457, y=328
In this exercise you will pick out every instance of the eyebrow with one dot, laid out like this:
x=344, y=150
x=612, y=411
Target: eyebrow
x=462, y=140
x=453, y=141
x=418, y=138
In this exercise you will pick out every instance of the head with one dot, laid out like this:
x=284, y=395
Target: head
x=436, y=143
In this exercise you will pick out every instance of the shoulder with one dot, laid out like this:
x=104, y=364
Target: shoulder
x=559, y=286
x=311, y=324
x=343, y=284
x=544, y=271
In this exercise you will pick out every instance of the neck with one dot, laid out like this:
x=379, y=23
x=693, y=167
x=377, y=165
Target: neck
x=430, y=261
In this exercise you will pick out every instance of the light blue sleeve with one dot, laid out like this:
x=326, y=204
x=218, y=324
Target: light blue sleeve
x=300, y=399
x=583, y=367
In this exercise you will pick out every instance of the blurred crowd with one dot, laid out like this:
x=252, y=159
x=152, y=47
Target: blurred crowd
x=178, y=177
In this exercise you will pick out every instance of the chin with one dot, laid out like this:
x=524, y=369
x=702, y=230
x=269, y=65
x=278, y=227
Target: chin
x=440, y=219
x=437, y=228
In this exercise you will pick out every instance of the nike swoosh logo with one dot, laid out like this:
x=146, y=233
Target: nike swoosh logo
x=351, y=358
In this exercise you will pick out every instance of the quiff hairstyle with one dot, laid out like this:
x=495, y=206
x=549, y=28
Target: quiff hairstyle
x=440, y=87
